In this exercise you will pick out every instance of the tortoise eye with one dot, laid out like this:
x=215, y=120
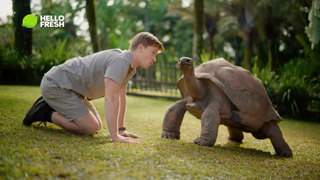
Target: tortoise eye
x=188, y=60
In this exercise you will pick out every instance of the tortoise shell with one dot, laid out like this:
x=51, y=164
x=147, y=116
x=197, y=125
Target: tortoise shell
x=252, y=106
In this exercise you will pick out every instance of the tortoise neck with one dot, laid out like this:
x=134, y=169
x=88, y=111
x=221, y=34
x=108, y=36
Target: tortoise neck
x=193, y=86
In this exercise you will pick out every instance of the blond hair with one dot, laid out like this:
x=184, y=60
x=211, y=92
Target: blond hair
x=147, y=39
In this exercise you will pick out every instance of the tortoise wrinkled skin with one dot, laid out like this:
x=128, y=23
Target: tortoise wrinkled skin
x=218, y=92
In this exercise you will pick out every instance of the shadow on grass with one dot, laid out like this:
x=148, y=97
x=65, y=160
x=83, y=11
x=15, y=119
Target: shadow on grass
x=58, y=133
x=235, y=148
x=11, y=122
x=231, y=148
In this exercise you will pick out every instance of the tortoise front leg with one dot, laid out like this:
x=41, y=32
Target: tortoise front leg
x=210, y=121
x=173, y=119
x=272, y=131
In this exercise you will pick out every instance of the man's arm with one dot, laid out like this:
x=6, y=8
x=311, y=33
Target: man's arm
x=112, y=94
x=123, y=102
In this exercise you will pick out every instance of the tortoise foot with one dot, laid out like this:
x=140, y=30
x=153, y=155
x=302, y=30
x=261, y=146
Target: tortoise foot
x=170, y=135
x=285, y=152
x=202, y=142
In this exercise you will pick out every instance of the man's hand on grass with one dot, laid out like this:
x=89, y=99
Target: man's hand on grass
x=128, y=134
x=123, y=139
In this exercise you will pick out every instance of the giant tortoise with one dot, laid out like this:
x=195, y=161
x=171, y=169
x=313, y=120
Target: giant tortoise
x=218, y=92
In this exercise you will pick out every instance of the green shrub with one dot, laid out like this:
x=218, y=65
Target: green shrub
x=52, y=55
x=297, y=84
x=205, y=58
x=8, y=56
x=292, y=88
x=17, y=69
x=267, y=76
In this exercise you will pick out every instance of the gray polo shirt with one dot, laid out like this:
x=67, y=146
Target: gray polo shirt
x=85, y=75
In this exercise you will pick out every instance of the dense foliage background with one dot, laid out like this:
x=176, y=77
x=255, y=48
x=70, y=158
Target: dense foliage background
x=276, y=40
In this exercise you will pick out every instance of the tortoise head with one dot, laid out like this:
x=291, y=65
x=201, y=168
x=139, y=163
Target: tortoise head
x=185, y=64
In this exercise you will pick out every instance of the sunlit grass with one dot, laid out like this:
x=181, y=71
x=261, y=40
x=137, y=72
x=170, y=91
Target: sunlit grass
x=175, y=93
x=50, y=152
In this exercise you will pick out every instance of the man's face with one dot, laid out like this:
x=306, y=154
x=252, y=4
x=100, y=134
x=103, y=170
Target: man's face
x=148, y=56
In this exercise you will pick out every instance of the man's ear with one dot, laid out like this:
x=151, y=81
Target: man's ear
x=140, y=47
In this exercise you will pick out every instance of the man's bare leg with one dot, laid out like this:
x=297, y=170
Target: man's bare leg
x=91, y=107
x=86, y=124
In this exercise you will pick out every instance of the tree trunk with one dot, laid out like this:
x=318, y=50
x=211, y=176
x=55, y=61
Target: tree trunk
x=257, y=42
x=237, y=42
x=271, y=50
x=146, y=16
x=23, y=35
x=198, y=31
x=91, y=17
x=69, y=25
x=211, y=21
x=248, y=51
x=71, y=29
x=211, y=46
x=272, y=32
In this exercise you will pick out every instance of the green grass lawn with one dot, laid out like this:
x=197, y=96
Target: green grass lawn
x=50, y=152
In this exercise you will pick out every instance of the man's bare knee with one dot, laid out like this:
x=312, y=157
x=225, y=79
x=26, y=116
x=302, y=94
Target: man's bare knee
x=93, y=129
x=87, y=124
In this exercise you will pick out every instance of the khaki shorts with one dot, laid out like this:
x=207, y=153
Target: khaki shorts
x=66, y=102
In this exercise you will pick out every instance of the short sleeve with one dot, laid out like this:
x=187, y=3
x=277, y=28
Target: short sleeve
x=131, y=72
x=117, y=71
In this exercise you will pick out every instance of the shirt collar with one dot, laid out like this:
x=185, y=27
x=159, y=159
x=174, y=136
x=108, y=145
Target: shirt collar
x=127, y=54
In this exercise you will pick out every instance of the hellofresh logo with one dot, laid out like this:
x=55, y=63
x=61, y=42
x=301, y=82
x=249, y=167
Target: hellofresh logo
x=51, y=21
x=30, y=20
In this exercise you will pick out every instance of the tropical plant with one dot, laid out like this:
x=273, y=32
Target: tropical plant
x=269, y=78
x=296, y=84
x=53, y=54
x=313, y=30
x=293, y=88
x=204, y=57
